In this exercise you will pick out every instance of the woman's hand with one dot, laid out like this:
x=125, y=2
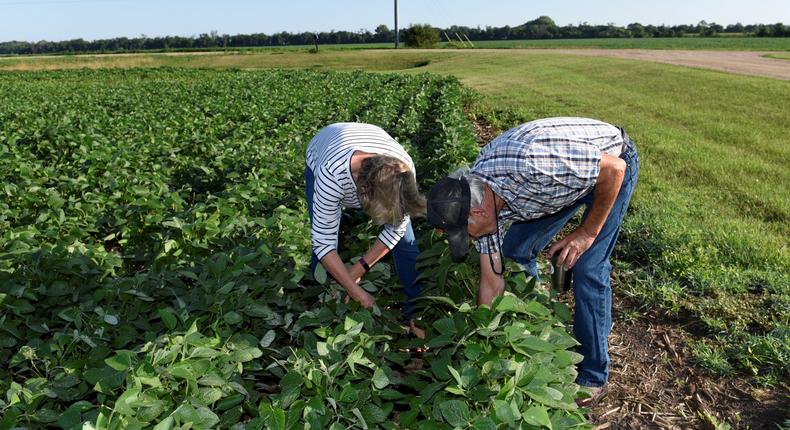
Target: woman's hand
x=572, y=246
x=363, y=297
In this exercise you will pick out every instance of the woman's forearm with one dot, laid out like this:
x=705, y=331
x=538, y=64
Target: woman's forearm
x=334, y=265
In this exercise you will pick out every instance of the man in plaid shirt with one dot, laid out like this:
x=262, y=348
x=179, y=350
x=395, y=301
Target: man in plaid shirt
x=535, y=177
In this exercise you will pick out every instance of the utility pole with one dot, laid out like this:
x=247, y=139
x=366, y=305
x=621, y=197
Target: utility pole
x=397, y=31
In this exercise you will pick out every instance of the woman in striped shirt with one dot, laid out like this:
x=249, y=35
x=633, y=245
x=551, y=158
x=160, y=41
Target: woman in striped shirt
x=359, y=165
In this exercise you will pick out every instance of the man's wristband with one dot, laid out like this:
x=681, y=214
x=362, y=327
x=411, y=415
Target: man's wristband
x=364, y=264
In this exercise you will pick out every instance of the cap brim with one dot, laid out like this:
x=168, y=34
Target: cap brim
x=458, y=239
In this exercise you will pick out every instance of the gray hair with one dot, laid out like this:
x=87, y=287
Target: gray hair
x=476, y=186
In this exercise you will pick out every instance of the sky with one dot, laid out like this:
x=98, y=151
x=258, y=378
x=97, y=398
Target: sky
x=34, y=20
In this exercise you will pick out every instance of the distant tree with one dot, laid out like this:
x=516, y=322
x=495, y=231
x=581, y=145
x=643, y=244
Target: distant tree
x=383, y=34
x=734, y=28
x=541, y=28
x=421, y=36
x=708, y=30
x=636, y=30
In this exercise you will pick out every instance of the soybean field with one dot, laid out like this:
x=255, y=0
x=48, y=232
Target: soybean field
x=154, y=244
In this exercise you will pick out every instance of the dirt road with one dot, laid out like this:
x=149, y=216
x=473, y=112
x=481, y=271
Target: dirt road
x=741, y=62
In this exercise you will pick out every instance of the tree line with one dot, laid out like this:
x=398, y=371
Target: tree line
x=541, y=28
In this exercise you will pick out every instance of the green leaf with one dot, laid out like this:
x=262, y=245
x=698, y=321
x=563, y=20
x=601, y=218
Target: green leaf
x=456, y=375
x=245, y=355
x=430, y=390
x=445, y=326
x=230, y=401
x=537, y=309
x=168, y=318
x=290, y=388
x=390, y=394
x=267, y=339
x=507, y=303
x=277, y=420
x=71, y=417
x=536, y=344
x=537, y=416
x=504, y=412
x=380, y=379
x=373, y=413
x=360, y=417
x=549, y=397
x=484, y=423
x=233, y=318
x=126, y=403
x=183, y=370
x=165, y=424
x=440, y=299
x=200, y=416
x=348, y=394
x=455, y=412
x=59, y=288
x=122, y=360
x=212, y=380
x=320, y=274
x=440, y=341
x=203, y=352
x=562, y=311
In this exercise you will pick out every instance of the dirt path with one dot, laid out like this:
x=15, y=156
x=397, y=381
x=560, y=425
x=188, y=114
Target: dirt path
x=741, y=62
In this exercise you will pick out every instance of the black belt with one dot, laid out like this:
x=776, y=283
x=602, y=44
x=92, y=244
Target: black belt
x=626, y=138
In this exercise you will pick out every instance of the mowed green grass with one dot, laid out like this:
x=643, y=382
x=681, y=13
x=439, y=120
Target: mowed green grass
x=781, y=56
x=709, y=231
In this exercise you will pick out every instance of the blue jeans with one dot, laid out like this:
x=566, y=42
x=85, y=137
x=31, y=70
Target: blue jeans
x=404, y=253
x=591, y=284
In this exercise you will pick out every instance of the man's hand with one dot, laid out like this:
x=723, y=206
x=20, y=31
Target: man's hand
x=607, y=186
x=572, y=246
x=416, y=331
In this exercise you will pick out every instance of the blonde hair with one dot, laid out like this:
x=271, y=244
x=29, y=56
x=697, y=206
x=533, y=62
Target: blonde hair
x=388, y=190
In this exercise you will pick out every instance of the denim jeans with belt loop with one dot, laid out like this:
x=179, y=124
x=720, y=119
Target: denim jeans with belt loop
x=404, y=254
x=591, y=273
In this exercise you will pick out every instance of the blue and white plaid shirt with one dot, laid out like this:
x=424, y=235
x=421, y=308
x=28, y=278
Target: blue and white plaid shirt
x=544, y=166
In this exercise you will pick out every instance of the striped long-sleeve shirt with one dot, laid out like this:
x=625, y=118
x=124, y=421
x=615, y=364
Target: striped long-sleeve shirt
x=544, y=166
x=329, y=157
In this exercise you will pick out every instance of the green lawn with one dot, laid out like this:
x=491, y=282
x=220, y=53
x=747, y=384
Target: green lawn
x=709, y=234
x=782, y=56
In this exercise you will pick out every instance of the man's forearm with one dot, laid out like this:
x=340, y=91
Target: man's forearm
x=606, y=190
x=491, y=284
